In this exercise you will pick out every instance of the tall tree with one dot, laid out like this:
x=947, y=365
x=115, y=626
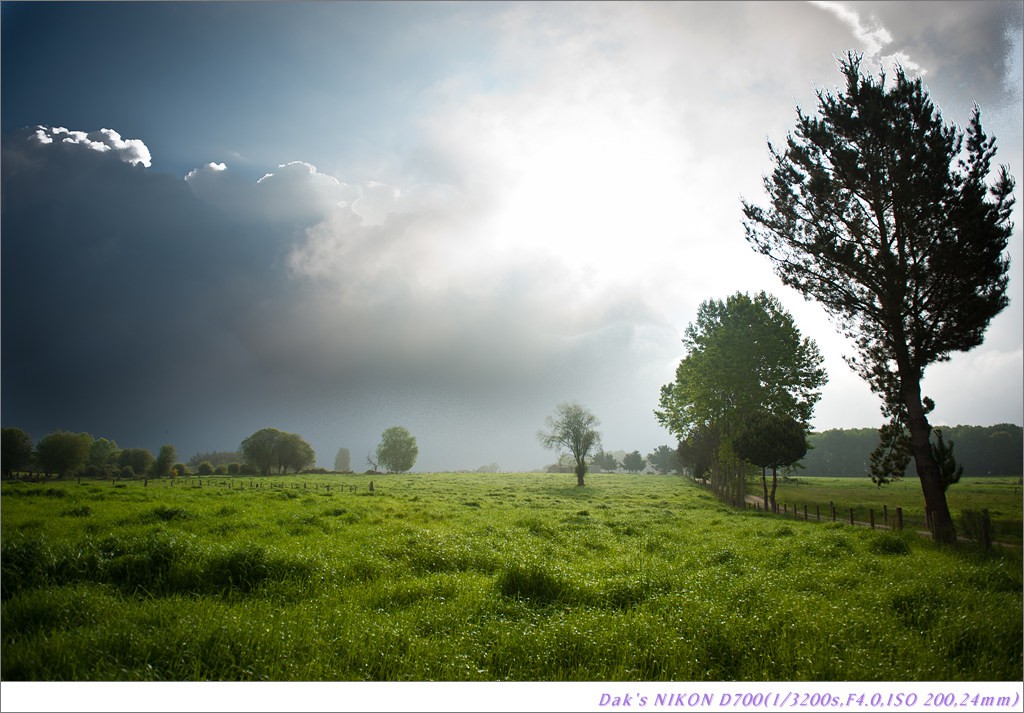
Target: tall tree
x=16, y=450
x=397, y=450
x=743, y=355
x=881, y=211
x=574, y=428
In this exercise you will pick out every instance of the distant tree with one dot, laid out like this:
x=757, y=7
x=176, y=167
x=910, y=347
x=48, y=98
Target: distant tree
x=397, y=450
x=770, y=441
x=664, y=460
x=103, y=453
x=179, y=470
x=205, y=468
x=574, y=428
x=234, y=468
x=164, y=461
x=262, y=449
x=605, y=462
x=215, y=458
x=139, y=460
x=878, y=213
x=63, y=452
x=634, y=462
x=16, y=451
x=293, y=452
x=343, y=461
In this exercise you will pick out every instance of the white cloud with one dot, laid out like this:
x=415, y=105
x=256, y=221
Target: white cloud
x=132, y=151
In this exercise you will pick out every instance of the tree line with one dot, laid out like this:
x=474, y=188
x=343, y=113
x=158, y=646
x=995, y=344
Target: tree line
x=981, y=450
x=269, y=450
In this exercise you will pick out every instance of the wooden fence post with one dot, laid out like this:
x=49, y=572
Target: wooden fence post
x=805, y=513
x=871, y=514
x=851, y=516
x=817, y=512
x=885, y=515
x=899, y=518
x=833, y=506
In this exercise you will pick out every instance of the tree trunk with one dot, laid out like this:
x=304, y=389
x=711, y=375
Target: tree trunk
x=764, y=486
x=927, y=467
x=775, y=483
x=581, y=470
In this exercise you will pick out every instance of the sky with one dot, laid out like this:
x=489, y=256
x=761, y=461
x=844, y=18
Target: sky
x=336, y=217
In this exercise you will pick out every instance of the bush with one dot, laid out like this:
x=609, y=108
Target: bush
x=205, y=468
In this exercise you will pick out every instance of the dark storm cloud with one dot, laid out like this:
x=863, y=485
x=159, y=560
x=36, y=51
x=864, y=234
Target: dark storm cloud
x=117, y=284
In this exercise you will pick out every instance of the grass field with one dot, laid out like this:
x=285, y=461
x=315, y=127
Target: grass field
x=491, y=577
x=1002, y=497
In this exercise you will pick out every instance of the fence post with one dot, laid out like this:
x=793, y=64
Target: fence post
x=871, y=515
x=833, y=506
x=817, y=512
x=899, y=518
x=986, y=529
x=805, y=513
x=851, y=516
x=885, y=515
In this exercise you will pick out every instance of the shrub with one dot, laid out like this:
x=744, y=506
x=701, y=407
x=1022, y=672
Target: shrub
x=205, y=468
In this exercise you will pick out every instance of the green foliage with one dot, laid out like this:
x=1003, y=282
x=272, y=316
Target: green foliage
x=15, y=451
x=205, y=468
x=139, y=460
x=634, y=462
x=63, y=452
x=890, y=458
x=881, y=212
x=949, y=470
x=215, y=458
x=397, y=450
x=770, y=441
x=573, y=428
x=605, y=462
x=164, y=461
x=743, y=355
x=982, y=450
x=343, y=460
x=665, y=460
x=271, y=449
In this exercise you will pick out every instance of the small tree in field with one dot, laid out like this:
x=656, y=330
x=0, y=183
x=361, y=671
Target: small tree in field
x=164, y=461
x=881, y=213
x=770, y=441
x=397, y=450
x=633, y=462
x=574, y=428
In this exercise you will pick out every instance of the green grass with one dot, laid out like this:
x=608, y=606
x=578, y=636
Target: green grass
x=489, y=577
x=1002, y=497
